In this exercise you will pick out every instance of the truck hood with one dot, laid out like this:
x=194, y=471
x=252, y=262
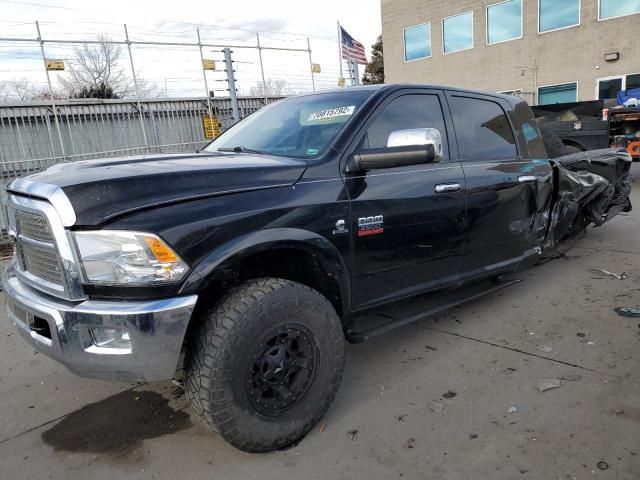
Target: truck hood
x=100, y=190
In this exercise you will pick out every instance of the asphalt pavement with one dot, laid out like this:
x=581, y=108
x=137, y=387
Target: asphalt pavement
x=453, y=397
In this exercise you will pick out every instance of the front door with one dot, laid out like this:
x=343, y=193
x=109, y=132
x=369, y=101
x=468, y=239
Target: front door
x=406, y=222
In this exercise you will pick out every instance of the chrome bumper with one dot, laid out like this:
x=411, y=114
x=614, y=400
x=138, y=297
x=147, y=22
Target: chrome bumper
x=156, y=329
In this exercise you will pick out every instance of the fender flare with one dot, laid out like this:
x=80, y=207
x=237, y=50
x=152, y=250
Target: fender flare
x=322, y=249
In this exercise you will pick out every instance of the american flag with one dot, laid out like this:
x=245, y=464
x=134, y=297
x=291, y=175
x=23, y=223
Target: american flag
x=352, y=49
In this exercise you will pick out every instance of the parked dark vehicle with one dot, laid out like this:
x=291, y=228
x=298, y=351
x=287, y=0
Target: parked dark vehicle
x=258, y=255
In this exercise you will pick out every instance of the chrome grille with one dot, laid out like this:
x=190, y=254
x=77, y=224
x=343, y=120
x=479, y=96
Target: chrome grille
x=42, y=264
x=34, y=226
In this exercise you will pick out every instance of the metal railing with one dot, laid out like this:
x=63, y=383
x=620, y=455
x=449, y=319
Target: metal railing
x=30, y=140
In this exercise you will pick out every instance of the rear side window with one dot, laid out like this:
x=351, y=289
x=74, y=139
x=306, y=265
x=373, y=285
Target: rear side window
x=482, y=130
x=407, y=112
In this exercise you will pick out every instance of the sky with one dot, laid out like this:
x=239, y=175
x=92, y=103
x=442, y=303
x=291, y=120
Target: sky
x=281, y=23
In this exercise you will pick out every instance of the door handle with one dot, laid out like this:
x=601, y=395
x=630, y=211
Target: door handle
x=448, y=187
x=527, y=178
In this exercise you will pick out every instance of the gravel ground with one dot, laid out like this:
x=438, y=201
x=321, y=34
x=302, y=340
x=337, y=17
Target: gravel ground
x=452, y=397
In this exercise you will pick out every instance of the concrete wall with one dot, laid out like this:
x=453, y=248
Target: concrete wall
x=563, y=56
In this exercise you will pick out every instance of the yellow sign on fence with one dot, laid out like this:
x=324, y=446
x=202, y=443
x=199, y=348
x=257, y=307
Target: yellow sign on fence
x=315, y=68
x=208, y=64
x=55, y=65
x=211, y=126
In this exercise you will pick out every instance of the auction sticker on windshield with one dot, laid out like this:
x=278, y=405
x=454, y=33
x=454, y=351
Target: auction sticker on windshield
x=331, y=113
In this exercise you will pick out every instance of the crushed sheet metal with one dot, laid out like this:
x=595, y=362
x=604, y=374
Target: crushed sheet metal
x=592, y=187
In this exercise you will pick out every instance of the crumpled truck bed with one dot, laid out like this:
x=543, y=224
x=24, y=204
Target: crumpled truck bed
x=590, y=187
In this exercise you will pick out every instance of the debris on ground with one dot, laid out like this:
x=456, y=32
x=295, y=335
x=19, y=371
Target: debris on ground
x=545, y=384
x=545, y=348
x=607, y=273
x=509, y=370
x=449, y=394
x=353, y=435
x=435, y=406
x=410, y=443
x=473, y=436
x=571, y=377
x=628, y=311
x=401, y=418
x=512, y=409
x=323, y=427
x=602, y=465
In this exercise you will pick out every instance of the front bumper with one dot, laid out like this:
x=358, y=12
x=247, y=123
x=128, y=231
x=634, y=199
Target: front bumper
x=61, y=330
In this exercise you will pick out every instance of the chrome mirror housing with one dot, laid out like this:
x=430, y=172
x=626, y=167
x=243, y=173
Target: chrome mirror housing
x=417, y=136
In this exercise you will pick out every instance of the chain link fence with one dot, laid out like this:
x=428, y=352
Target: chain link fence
x=180, y=86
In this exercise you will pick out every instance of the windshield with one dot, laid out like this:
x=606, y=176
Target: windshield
x=294, y=127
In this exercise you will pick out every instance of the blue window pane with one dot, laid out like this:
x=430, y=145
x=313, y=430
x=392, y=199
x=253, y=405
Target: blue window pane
x=504, y=21
x=565, y=93
x=618, y=8
x=458, y=32
x=417, y=42
x=556, y=14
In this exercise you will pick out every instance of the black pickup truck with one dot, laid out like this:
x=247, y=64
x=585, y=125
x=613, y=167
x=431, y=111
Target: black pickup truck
x=257, y=256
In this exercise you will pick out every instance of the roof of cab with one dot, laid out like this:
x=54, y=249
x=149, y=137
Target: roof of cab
x=397, y=86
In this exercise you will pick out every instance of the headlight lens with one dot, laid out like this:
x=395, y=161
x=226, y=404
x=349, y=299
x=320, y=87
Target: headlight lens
x=113, y=257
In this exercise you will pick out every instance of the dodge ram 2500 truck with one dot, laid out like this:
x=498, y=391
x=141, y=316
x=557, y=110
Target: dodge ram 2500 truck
x=256, y=256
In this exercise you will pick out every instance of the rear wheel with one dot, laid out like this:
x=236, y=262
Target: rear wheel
x=265, y=364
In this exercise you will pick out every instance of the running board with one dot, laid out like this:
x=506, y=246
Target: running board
x=357, y=337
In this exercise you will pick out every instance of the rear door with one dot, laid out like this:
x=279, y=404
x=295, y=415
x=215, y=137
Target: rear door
x=501, y=193
x=407, y=231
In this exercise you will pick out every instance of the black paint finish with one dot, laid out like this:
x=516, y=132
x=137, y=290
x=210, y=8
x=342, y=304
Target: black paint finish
x=218, y=209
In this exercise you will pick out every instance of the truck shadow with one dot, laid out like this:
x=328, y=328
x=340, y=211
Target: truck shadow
x=117, y=424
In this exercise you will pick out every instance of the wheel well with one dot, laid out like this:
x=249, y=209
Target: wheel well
x=292, y=264
x=571, y=143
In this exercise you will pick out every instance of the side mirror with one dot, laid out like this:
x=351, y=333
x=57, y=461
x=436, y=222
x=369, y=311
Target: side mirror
x=390, y=157
x=417, y=136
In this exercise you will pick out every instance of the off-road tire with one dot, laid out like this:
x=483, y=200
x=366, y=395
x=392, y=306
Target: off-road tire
x=220, y=351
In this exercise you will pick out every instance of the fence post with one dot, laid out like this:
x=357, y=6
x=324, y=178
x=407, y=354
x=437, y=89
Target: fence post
x=264, y=83
x=232, y=84
x=135, y=82
x=53, y=101
x=313, y=79
x=204, y=75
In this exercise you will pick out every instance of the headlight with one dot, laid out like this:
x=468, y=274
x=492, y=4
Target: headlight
x=113, y=257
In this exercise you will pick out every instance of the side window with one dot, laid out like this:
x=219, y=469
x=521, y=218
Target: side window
x=482, y=130
x=407, y=112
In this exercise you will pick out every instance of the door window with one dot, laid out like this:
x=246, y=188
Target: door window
x=482, y=130
x=609, y=88
x=404, y=113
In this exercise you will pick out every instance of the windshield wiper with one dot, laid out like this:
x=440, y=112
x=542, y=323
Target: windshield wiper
x=241, y=149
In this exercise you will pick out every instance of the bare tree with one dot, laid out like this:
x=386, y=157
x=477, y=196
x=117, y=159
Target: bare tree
x=5, y=94
x=270, y=88
x=25, y=89
x=95, y=72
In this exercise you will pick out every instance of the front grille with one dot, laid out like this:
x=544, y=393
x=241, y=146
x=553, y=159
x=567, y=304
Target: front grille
x=41, y=263
x=34, y=226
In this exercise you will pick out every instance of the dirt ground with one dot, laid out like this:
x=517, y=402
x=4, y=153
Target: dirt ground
x=447, y=398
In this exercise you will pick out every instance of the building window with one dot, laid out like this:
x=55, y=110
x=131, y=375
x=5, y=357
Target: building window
x=457, y=32
x=564, y=93
x=617, y=8
x=417, y=42
x=504, y=21
x=610, y=87
x=557, y=14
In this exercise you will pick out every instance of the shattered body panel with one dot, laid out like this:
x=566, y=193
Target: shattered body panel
x=591, y=187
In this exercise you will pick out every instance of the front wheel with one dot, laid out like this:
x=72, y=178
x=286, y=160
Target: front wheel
x=265, y=364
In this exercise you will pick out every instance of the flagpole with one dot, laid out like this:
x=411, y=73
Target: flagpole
x=340, y=49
